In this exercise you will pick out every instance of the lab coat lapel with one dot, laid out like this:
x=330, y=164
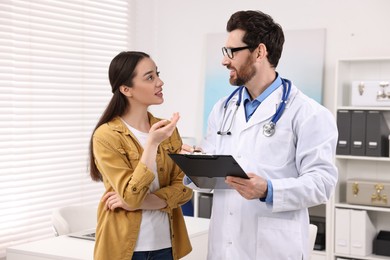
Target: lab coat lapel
x=241, y=121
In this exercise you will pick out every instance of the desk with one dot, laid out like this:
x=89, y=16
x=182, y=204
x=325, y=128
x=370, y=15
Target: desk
x=67, y=248
x=198, y=231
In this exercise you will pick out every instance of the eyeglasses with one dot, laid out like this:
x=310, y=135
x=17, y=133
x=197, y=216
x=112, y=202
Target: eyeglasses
x=229, y=51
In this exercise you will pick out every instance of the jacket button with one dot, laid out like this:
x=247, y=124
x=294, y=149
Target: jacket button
x=134, y=189
x=184, y=190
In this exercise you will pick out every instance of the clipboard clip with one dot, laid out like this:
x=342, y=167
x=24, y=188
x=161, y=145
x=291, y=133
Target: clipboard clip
x=196, y=150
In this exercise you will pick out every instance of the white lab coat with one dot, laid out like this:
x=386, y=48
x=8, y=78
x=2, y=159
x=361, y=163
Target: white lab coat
x=298, y=159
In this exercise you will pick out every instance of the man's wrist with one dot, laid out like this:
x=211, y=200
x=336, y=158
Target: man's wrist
x=268, y=198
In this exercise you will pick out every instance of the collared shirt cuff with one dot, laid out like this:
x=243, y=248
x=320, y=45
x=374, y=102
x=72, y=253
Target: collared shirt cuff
x=186, y=180
x=270, y=193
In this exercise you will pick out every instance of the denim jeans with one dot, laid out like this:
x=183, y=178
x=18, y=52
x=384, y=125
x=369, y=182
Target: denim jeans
x=162, y=254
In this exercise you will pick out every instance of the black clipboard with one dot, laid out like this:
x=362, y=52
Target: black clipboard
x=209, y=171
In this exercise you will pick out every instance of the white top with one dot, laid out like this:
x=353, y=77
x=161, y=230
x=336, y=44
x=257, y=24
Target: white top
x=154, y=232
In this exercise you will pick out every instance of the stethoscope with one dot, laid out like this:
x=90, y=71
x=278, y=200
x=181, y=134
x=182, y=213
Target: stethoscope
x=268, y=128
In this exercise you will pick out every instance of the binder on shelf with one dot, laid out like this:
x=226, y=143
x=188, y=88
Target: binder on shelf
x=205, y=205
x=342, y=231
x=358, y=132
x=362, y=234
x=377, y=133
x=344, y=129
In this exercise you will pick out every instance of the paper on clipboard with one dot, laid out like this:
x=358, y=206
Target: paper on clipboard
x=209, y=171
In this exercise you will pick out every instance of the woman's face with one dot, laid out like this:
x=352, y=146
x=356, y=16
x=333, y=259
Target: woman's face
x=147, y=85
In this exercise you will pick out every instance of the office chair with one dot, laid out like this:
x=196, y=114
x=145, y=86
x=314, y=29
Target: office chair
x=73, y=218
x=312, y=238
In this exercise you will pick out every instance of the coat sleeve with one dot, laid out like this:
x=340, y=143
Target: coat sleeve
x=316, y=134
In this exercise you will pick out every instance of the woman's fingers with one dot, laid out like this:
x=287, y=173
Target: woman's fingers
x=111, y=200
x=158, y=125
x=163, y=129
x=165, y=123
x=108, y=195
x=175, y=118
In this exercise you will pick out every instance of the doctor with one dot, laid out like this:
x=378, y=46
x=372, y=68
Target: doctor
x=287, y=149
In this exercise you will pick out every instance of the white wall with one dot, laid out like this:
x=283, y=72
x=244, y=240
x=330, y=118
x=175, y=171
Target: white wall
x=174, y=31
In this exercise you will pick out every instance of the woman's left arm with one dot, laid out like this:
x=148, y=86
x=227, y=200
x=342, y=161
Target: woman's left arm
x=113, y=201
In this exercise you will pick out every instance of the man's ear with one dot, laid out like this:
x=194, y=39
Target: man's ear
x=261, y=51
x=125, y=90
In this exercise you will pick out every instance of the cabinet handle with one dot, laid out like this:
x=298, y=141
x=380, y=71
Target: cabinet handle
x=355, y=189
x=378, y=196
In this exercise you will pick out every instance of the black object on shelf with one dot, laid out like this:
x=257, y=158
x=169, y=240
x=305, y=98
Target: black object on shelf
x=381, y=244
x=358, y=132
x=205, y=205
x=344, y=128
x=377, y=133
x=320, y=238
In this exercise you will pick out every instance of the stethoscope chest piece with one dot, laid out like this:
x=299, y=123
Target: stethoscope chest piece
x=269, y=129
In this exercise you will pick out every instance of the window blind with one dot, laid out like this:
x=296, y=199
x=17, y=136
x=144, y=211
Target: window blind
x=54, y=58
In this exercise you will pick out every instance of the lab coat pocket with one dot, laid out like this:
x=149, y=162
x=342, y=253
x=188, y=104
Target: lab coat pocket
x=278, y=239
x=277, y=149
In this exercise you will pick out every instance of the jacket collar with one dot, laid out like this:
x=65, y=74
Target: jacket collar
x=118, y=125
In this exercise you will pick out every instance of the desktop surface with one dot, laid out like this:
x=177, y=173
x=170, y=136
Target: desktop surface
x=70, y=248
x=62, y=247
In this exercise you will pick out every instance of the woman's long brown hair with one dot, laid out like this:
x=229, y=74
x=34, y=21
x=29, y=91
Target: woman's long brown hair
x=121, y=72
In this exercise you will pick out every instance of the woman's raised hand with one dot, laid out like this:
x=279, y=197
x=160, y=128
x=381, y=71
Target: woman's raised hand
x=163, y=129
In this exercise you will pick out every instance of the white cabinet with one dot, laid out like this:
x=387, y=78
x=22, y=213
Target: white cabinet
x=360, y=167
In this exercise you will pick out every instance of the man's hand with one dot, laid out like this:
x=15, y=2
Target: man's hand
x=253, y=188
x=188, y=149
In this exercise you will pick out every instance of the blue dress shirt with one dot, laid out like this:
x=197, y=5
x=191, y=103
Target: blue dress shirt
x=252, y=105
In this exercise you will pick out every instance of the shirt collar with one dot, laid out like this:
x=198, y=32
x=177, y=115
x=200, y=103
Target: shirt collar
x=275, y=84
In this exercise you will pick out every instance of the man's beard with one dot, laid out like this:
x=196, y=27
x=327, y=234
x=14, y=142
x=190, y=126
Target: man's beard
x=245, y=74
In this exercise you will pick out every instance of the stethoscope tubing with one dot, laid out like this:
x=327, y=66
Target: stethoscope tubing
x=286, y=92
x=279, y=111
x=238, y=103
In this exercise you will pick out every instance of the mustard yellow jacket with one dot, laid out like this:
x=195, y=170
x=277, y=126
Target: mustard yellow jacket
x=117, y=154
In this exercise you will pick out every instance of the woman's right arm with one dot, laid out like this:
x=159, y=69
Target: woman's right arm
x=158, y=132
